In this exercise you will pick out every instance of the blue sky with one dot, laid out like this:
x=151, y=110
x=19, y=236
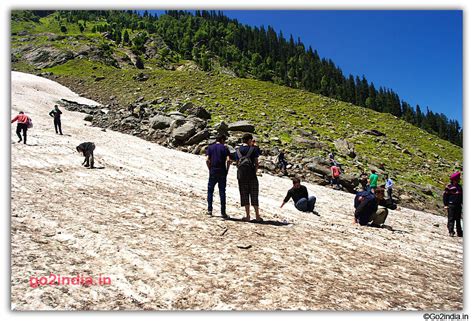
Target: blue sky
x=418, y=54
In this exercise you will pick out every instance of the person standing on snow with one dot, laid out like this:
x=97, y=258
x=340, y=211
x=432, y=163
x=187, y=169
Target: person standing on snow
x=23, y=123
x=56, y=114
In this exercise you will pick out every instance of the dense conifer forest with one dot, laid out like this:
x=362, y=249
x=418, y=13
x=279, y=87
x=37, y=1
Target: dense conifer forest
x=213, y=42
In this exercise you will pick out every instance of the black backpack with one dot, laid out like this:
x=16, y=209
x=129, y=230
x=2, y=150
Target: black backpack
x=245, y=166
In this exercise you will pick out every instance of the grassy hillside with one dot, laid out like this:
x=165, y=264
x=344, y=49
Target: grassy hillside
x=416, y=159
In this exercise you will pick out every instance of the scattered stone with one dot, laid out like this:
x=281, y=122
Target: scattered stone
x=373, y=132
x=427, y=190
x=243, y=126
x=221, y=127
x=142, y=77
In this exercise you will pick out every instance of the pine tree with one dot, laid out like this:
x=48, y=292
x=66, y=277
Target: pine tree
x=126, y=37
x=418, y=116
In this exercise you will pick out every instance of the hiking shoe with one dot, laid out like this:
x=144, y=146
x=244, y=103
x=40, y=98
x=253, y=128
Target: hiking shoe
x=225, y=216
x=20, y=140
x=209, y=213
x=451, y=234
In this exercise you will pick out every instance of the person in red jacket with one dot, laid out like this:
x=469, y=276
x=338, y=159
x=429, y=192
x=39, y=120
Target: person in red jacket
x=335, y=173
x=23, y=121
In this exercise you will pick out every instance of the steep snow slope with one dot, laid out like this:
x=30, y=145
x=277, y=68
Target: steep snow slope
x=141, y=221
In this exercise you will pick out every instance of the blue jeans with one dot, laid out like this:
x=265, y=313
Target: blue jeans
x=306, y=204
x=221, y=181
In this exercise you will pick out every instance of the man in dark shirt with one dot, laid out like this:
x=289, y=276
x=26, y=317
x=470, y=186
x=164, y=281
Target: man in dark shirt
x=366, y=208
x=299, y=194
x=87, y=149
x=218, y=162
x=452, y=199
x=56, y=114
x=247, y=166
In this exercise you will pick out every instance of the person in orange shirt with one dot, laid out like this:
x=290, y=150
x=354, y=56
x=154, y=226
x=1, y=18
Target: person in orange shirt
x=23, y=121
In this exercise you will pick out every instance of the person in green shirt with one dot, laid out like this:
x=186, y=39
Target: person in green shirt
x=373, y=178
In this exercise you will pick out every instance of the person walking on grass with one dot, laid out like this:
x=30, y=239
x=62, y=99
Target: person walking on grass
x=87, y=149
x=247, y=166
x=23, y=123
x=452, y=199
x=299, y=194
x=218, y=162
x=373, y=178
x=56, y=114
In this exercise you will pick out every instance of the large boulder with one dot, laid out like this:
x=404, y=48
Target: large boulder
x=198, y=137
x=242, y=126
x=160, y=122
x=176, y=115
x=345, y=148
x=45, y=57
x=319, y=169
x=200, y=123
x=349, y=182
x=320, y=160
x=181, y=133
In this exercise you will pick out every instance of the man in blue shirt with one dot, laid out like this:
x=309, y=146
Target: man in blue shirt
x=218, y=162
x=367, y=209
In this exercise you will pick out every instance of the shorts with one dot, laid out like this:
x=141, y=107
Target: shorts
x=248, y=189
